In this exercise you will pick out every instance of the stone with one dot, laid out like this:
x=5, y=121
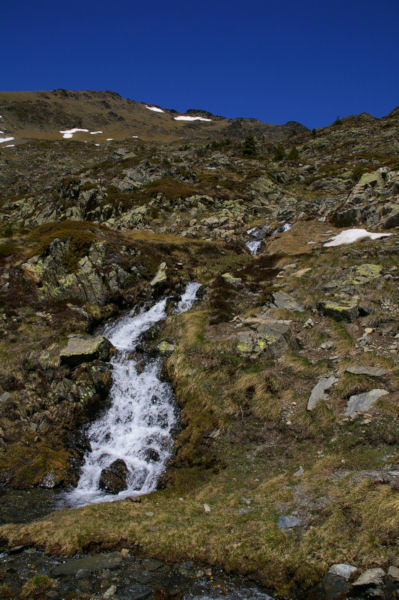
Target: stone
x=393, y=572
x=284, y=300
x=110, y=592
x=48, y=481
x=365, y=370
x=229, y=278
x=370, y=577
x=343, y=570
x=360, y=403
x=165, y=347
x=89, y=564
x=346, y=310
x=4, y=397
x=365, y=273
x=113, y=478
x=319, y=391
x=270, y=337
x=288, y=522
x=85, y=348
x=160, y=277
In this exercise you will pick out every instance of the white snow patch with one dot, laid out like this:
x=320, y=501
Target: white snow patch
x=6, y=139
x=1, y=117
x=189, y=118
x=135, y=136
x=96, y=144
x=10, y=146
x=155, y=109
x=68, y=133
x=95, y=132
x=109, y=139
x=353, y=235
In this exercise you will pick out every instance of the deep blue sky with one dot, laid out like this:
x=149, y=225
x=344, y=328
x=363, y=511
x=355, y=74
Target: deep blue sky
x=276, y=60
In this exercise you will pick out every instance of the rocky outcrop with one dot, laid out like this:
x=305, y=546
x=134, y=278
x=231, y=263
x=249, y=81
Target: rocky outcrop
x=89, y=281
x=84, y=348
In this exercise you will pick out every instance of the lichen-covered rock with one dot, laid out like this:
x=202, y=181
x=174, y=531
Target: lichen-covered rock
x=270, y=337
x=287, y=302
x=161, y=277
x=85, y=348
x=345, y=310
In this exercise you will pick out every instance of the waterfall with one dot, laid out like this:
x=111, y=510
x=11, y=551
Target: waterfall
x=137, y=427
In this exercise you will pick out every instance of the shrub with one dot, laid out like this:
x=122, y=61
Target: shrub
x=249, y=147
x=279, y=153
x=294, y=154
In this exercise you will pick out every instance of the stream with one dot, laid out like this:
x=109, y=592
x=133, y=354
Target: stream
x=136, y=429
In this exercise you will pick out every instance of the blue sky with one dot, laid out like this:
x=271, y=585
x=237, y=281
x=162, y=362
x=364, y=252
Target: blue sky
x=275, y=60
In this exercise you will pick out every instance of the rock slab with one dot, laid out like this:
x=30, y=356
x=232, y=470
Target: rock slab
x=85, y=348
x=319, y=391
x=360, y=403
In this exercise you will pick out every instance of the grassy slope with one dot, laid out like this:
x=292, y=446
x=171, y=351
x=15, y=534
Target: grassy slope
x=246, y=432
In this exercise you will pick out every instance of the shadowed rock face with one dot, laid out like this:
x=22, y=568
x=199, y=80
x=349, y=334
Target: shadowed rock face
x=113, y=478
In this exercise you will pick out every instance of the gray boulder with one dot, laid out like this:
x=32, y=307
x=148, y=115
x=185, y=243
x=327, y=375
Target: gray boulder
x=371, y=577
x=269, y=337
x=345, y=310
x=284, y=300
x=365, y=370
x=319, y=391
x=85, y=348
x=343, y=570
x=360, y=403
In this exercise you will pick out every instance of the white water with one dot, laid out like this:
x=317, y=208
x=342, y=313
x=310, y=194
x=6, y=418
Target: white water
x=137, y=426
x=254, y=246
x=189, y=297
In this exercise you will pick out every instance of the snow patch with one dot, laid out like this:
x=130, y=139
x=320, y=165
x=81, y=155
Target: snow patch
x=155, y=109
x=10, y=146
x=109, y=139
x=95, y=132
x=353, y=235
x=6, y=139
x=189, y=118
x=67, y=134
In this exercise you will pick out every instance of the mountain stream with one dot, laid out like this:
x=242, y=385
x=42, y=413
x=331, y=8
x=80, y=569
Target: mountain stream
x=138, y=424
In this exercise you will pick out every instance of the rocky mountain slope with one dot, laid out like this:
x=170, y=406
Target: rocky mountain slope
x=285, y=371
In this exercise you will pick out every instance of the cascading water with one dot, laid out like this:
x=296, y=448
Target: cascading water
x=137, y=427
